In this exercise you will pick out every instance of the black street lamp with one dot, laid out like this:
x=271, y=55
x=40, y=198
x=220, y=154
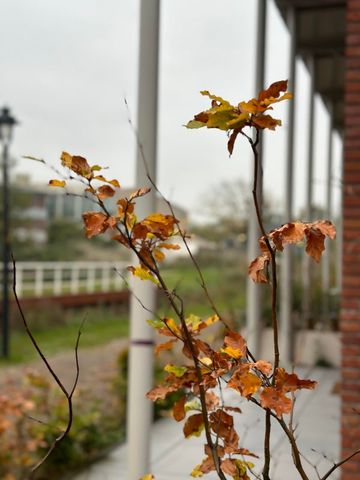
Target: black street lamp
x=7, y=123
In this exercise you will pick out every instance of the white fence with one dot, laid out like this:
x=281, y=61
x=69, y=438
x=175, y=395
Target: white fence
x=59, y=278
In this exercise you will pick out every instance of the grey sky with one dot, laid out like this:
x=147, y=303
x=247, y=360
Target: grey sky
x=66, y=67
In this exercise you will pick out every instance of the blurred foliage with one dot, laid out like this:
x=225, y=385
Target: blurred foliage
x=32, y=415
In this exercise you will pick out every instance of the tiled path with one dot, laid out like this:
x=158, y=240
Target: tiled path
x=173, y=457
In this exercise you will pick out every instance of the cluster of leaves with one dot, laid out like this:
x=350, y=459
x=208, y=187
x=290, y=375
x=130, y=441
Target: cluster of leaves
x=314, y=233
x=233, y=119
x=206, y=369
x=31, y=417
x=148, y=238
x=231, y=364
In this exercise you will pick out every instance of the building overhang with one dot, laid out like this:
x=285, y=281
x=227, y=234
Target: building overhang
x=321, y=28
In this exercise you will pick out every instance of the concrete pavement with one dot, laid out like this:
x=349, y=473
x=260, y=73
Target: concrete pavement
x=173, y=457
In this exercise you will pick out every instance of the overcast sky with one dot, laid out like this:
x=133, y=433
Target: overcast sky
x=67, y=66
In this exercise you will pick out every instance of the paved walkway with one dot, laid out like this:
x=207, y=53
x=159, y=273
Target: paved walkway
x=173, y=457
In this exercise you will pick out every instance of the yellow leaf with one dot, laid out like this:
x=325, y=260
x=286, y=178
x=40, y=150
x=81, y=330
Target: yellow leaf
x=176, y=370
x=57, y=183
x=211, y=320
x=143, y=274
x=196, y=473
x=66, y=159
x=232, y=352
x=158, y=255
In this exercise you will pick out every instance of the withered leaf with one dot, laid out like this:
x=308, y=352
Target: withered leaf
x=257, y=268
x=139, y=193
x=315, y=243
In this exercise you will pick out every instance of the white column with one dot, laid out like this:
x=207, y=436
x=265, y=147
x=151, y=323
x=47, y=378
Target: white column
x=326, y=261
x=286, y=280
x=253, y=293
x=141, y=335
x=306, y=294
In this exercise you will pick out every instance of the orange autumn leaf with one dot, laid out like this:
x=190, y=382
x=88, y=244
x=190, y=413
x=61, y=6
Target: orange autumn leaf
x=95, y=223
x=236, y=342
x=228, y=466
x=326, y=227
x=272, y=94
x=115, y=183
x=169, y=246
x=263, y=366
x=245, y=382
x=274, y=399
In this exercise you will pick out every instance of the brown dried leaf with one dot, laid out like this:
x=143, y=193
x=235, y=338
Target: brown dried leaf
x=139, y=193
x=315, y=243
x=160, y=392
x=257, y=268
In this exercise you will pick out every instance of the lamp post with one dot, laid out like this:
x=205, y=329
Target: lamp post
x=7, y=123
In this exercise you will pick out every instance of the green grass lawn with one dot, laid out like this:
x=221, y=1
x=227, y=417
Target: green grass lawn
x=100, y=326
x=57, y=330
x=225, y=284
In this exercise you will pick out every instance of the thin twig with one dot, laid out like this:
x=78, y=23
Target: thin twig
x=338, y=464
x=68, y=395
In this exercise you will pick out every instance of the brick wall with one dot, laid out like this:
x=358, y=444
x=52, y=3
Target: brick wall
x=350, y=317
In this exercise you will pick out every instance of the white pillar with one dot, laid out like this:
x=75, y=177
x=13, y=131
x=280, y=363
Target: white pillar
x=286, y=299
x=141, y=335
x=253, y=292
x=306, y=294
x=326, y=261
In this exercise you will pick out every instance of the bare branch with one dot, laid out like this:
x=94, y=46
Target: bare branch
x=68, y=395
